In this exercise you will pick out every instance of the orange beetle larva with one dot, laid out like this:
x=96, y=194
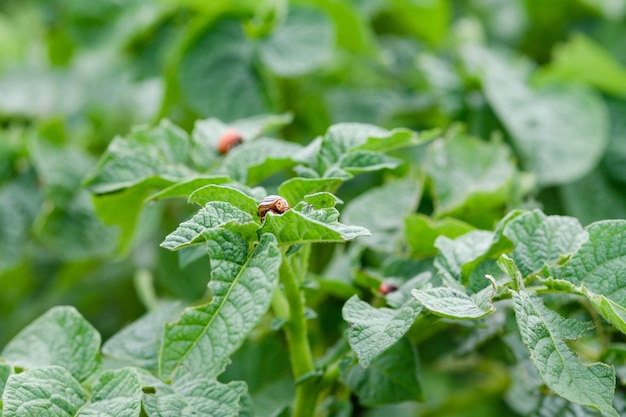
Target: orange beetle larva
x=229, y=139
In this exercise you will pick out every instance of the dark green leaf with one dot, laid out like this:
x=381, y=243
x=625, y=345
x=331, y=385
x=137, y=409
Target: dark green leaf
x=216, y=74
x=391, y=378
x=300, y=44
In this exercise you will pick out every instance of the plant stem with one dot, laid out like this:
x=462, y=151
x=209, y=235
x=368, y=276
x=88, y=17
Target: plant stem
x=297, y=338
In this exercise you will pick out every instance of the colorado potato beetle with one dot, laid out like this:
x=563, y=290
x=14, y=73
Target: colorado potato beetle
x=386, y=288
x=274, y=203
x=229, y=139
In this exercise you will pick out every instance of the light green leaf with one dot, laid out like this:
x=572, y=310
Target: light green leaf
x=373, y=209
x=183, y=189
x=209, y=87
x=343, y=138
x=140, y=341
x=115, y=393
x=207, y=133
x=541, y=240
x=613, y=312
x=146, y=153
x=451, y=303
x=582, y=59
x=421, y=232
x=304, y=224
x=242, y=284
x=453, y=254
x=543, y=332
x=393, y=377
x=364, y=161
x=560, y=133
x=188, y=397
x=301, y=44
x=469, y=175
x=60, y=169
x=254, y=161
x=226, y=194
x=50, y=391
x=5, y=371
x=60, y=337
x=600, y=263
x=374, y=330
x=294, y=189
x=322, y=200
x=213, y=215
x=395, y=139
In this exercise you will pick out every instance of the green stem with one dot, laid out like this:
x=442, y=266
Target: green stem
x=297, y=338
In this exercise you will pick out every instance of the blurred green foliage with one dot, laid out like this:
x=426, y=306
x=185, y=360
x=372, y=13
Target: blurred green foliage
x=545, y=78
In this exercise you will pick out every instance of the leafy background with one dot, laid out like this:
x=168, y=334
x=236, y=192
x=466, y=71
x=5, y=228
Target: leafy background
x=529, y=96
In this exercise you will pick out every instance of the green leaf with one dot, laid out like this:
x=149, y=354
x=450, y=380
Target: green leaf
x=74, y=232
x=51, y=391
x=612, y=311
x=543, y=332
x=19, y=202
x=363, y=161
x=213, y=215
x=210, y=88
x=115, y=393
x=242, y=284
x=140, y=341
x=451, y=303
x=183, y=189
x=146, y=153
x=5, y=372
x=594, y=197
x=541, y=240
x=294, y=189
x=60, y=337
x=344, y=138
x=60, y=169
x=304, y=224
x=374, y=330
x=582, y=59
x=453, y=254
x=421, y=232
x=123, y=208
x=373, y=209
x=560, y=133
x=600, y=263
x=207, y=133
x=201, y=396
x=226, y=194
x=302, y=43
x=254, y=161
x=391, y=378
x=469, y=175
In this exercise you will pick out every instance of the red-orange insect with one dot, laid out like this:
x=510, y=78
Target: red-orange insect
x=229, y=139
x=274, y=203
